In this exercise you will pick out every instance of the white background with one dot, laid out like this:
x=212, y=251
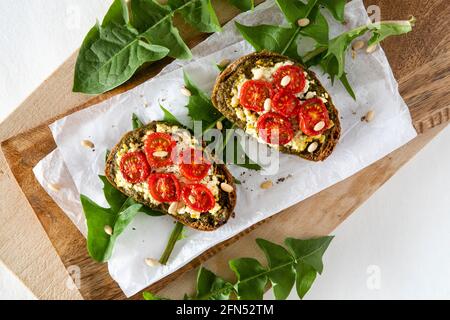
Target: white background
x=397, y=245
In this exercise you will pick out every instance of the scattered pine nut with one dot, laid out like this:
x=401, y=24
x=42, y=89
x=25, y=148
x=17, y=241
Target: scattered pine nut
x=371, y=48
x=313, y=147
x=219, y=125
x=185, y=91
x=87, y=144
x=54, y=187
x=369, y=116
x=224, y=63
x=191, y=199
x=319, y=126
x=108, y=230
x=267, y=184
x=354, y=54
x=303, y=22
x=358, y=45
x=151, y=262
x=285, y=81
x=226, y=187
x=160, y=154
x=267, y=105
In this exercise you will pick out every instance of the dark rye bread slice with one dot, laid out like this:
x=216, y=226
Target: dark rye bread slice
x=207, y=221
x=221, y=98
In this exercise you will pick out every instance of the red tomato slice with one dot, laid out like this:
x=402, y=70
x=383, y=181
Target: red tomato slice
x=155, y=145
x=193, y=165
x=285, y=103
x=297, y=83
x=164, y=187
x=134, y=167
x=274, y=128
x=313, y=111
x=198, y=197
x=254, y=93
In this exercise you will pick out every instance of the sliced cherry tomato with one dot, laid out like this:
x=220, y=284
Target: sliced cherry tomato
x=158, y=149
x=254, y=93
x=275, y=128
x=198, y=197
x=164, y=187
x=312, y=112
x=297, y=82
x=193, y=164
x=134, y=167
x=285, y=103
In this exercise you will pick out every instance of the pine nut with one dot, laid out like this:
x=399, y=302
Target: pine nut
x=87, y=144
x=310, y=95
x=267, y=184
x=313, y=147
x=151, y=262
x=258, y=74
x=267, y=105
x=191, y=199
x=224, y=63
x=358, y=45
x=185, y=91
x=108, y=230
x=219, y=125
x=173, y=208
x=369, y=116
x=285, y=81
x=319, y=126
x=354, y=54
x=303, y=22
x=371, y=48
x=226, y=187
x=54, y=187
x=160, y=154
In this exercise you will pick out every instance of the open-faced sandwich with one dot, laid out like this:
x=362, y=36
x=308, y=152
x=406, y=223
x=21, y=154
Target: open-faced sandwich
x=165, y=168
x=279, y=102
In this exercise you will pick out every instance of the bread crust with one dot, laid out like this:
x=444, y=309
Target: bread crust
x=207, y=222
x=221, y=95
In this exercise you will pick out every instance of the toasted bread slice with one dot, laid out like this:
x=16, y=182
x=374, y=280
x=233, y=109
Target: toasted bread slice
x=206, y=221
x=225, y=99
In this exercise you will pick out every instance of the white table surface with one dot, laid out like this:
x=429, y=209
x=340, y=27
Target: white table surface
x=395, y=246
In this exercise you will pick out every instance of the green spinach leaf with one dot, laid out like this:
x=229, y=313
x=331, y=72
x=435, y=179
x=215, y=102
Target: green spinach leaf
x=299, y=264
x=169, y=117
x=136, y=122
x=243, y=5
x=133, y=33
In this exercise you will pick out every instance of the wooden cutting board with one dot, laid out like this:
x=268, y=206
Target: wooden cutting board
x=421, y=63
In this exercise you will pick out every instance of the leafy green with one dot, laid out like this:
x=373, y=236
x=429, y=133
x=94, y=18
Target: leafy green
x=336, y=7
x=299, y=264
x=121, y=212
x=334, y=59
x=169, y=117
x=136, y=122
x=99, y=243
x=133, y=33
x=211, y=287
x=280, y=261
x=175, y=236
x=243, y=5
x=151, y=296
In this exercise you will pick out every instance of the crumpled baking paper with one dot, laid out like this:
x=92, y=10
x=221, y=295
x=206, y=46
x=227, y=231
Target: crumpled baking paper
x=76, y=168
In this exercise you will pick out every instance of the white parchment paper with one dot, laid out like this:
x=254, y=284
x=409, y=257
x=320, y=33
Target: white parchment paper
x=76, y=168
